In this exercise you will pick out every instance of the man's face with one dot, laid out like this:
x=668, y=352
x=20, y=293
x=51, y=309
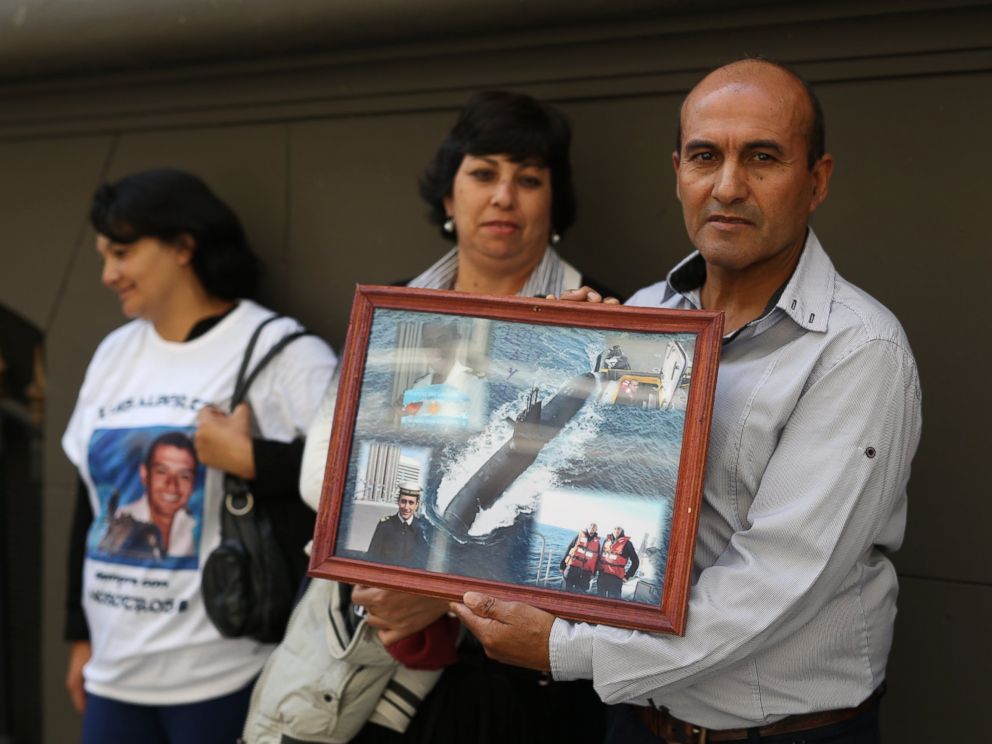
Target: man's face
x=591, y=528
x=408, y=505
x=743, y=176
x=617, y=531
x=440, y=343
x=169, y=483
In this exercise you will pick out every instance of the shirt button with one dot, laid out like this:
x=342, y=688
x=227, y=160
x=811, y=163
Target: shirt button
x=870, y=452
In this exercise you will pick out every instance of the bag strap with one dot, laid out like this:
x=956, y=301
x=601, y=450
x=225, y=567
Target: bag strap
x=243, y=382
x=234, y=485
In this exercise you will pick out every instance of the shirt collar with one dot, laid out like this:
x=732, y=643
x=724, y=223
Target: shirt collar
x=805, y=297
x=550, y=276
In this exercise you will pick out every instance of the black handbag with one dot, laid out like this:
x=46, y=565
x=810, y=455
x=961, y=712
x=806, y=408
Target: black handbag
x=249, y=583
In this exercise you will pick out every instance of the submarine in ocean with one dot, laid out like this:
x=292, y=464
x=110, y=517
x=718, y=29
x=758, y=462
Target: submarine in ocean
x=616, y=380
x=533, y=428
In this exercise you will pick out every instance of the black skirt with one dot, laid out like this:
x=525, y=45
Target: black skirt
x=480, y=701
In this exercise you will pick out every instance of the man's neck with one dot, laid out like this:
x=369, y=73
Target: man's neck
x=164, y=525
x=743, y=295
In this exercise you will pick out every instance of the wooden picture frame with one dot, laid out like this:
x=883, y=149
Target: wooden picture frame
x=511, y=424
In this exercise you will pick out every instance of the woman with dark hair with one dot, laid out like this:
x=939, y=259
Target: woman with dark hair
x=146, y=663
x=500, y=188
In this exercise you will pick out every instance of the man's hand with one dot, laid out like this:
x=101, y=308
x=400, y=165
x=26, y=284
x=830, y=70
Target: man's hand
x=223, y=441
x=584, y=294
x=79, y=654
x=397, y=615
x=511, y=632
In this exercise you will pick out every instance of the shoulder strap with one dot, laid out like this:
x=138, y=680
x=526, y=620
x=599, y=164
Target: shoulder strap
x=243, y=381
x=233, y=485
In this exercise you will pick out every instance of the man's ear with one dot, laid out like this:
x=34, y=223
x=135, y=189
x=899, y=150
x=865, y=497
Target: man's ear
x=822, y=171
x=675, y=164
x=143, y=473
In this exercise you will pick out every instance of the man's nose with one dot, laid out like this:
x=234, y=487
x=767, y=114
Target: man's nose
x=731, y=183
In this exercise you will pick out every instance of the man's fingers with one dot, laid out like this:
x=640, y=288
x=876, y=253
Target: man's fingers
x=511, y=632
x=486, y=607
x=475, y=623
x=482, y=604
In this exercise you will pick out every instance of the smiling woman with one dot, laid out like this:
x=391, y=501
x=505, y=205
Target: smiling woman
x=151, y=439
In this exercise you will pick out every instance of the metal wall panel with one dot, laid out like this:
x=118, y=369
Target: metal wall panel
x=320, y=156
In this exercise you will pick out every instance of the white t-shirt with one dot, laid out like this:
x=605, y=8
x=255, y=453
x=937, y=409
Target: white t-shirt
x=152, y=640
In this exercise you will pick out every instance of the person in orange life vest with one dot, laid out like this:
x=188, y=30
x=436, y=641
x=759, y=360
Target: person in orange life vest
x=579, y=563
x=618, y=550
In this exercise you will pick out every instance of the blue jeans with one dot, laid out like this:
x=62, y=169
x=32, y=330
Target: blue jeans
x=624, y=727
x=215, y=721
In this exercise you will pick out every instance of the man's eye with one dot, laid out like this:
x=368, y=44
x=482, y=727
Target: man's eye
x=763, y=157
x=702, y=156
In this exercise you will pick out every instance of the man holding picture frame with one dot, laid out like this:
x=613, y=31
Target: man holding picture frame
x=816, y=420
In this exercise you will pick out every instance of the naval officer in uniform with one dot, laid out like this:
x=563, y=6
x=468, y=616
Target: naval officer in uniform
x=402, y=538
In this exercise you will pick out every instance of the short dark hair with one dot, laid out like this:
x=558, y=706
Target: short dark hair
x=511, y=124
x=170, y=439
x=168, y=204
x=816, y=137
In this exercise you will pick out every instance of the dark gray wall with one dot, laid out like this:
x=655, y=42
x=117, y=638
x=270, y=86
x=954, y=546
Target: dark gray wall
x=320, y=157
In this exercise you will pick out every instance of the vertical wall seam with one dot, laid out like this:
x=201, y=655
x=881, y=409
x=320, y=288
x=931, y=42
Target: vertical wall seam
x=78, y=245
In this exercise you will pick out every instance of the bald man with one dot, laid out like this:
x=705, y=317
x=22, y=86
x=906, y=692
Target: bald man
x=816, y=419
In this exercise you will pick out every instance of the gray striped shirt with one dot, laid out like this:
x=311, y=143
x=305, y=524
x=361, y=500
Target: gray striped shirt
x=816, y=419
x=553, y=275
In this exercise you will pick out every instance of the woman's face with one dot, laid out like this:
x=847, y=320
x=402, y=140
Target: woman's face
x=144, y=274
x=501, y=209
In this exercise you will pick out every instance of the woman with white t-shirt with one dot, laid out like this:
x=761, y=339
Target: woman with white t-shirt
x=151, y=439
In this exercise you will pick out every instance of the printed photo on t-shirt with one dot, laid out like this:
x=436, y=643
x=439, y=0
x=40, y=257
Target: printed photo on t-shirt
x=149, y=483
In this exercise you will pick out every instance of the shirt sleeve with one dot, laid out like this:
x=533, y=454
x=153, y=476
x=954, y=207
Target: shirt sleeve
x=832, y=493
x=277, y=465
x=317, y=443
x=434, y=647
x=286, y=395
x=76, y=627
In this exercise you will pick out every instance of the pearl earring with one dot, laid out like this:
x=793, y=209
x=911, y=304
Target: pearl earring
x=449, y=226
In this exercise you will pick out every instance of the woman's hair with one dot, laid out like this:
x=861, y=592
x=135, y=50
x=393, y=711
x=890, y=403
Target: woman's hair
x=511, y=124
x=169, y=205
